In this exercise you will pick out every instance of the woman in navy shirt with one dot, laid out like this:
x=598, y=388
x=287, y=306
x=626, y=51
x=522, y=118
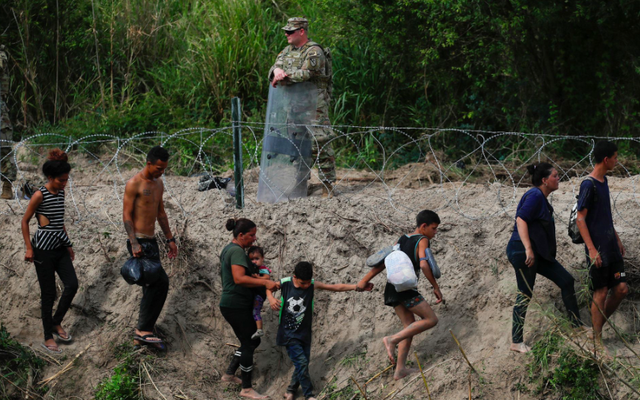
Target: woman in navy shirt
x=532, y=250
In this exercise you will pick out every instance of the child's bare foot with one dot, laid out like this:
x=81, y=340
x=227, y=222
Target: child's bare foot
x=401, y=373
x=289, y=396
x=231, y=379
x=520, y=348
x=252, y=394
x=390, y=348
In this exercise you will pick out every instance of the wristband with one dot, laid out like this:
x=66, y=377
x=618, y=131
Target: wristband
x=171, y=240
x=424, y=259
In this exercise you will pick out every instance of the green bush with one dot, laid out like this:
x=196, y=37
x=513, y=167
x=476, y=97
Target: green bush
x=17, y=364
x=554, y=364
x=123, y=384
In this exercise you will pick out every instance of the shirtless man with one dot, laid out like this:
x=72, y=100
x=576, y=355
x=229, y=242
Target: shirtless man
x=143, y=205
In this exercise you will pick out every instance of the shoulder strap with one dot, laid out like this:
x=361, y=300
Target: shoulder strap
x=415, y=250
x=287, y=279
x=595, y=188
x=328, y=64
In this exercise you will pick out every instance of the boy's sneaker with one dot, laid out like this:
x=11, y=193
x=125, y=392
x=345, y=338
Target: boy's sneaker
x=259, y=333
x=377, y=258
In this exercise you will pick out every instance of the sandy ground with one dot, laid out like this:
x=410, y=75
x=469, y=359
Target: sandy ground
x=336, y=235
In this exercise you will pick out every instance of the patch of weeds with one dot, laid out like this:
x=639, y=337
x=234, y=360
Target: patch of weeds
x=346, y=393
x=354, y=360
x=521, y=387
x=560, y=368
x=494, y=268
x=123, y=384
x=19, y=367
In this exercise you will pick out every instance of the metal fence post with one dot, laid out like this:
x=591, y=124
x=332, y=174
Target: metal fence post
x=237, y=152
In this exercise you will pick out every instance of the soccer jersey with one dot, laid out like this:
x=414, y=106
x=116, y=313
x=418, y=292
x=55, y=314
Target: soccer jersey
x=296, y=313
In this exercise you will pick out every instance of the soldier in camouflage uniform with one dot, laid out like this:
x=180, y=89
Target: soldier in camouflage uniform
x=7, y=169
x=304, y=60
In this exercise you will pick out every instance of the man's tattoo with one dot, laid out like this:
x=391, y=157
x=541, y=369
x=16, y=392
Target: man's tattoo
x=146, y=192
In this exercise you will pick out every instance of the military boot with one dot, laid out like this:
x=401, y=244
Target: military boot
x=327, y=190
x=311, y=189
x=7, y=190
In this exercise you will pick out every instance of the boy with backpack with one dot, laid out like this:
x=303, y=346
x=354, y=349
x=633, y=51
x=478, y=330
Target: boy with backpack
x=603, y=247
x=406, y=303
x=296, y=318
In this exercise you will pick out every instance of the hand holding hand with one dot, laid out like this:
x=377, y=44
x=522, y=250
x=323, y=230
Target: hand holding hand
x=367, y=287
x=362, y=285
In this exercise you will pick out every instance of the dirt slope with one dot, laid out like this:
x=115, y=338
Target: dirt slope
x=336, y=235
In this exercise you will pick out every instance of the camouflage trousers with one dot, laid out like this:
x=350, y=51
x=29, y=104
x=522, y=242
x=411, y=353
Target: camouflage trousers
x=7, y=167
x=322, y=151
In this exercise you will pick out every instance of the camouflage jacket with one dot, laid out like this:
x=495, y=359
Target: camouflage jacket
x=310, y=62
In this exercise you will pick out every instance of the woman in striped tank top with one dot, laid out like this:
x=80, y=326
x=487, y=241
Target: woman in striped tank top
x=50, y=248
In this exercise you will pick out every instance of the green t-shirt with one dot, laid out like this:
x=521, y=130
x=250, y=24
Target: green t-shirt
x=234, y=296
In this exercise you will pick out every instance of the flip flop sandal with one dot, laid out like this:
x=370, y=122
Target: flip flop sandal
x=67, y=339
x=378, y=257
x=158, y=344
x=52, y=351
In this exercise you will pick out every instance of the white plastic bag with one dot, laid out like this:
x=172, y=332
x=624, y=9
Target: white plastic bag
x=400, y=272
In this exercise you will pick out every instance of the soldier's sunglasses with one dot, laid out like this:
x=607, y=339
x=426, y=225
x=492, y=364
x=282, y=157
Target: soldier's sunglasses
x=291, y=32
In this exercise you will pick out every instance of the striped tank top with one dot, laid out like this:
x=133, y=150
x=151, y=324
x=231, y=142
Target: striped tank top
x=51, y=236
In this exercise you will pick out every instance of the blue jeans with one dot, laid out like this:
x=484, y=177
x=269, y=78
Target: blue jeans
x=553, y=271
x=300, y=355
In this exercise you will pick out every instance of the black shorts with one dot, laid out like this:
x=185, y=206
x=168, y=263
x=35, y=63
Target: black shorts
x=608, y=276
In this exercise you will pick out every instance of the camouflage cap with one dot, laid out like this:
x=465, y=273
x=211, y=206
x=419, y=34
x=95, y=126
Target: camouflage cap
x=296, y=23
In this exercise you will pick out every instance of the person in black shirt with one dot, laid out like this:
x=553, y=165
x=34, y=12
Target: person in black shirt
x=296, y=317
x=409, y=303
x=603, y=247
x=532, y=251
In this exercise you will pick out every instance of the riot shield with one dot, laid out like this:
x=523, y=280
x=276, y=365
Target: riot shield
x=286, y=147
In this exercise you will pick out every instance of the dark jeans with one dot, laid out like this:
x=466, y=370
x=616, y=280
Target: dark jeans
x=48, y=263
x=300, y=355
x=241, y=320
x=553, y=271
x=154, y=295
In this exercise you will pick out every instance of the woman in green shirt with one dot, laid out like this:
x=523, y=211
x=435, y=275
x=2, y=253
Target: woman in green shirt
x=236, y=304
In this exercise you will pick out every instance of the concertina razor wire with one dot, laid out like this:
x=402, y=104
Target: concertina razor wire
x=446, y=167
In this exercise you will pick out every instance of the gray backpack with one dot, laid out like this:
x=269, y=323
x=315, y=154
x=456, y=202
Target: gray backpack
x=574, y=232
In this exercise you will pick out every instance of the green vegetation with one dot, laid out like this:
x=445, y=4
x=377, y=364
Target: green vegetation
x=128, y=66
x=19, y=368
x=124, y=382
x=558, y=367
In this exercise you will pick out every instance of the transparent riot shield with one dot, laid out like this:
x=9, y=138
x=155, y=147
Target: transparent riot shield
x=286, y=147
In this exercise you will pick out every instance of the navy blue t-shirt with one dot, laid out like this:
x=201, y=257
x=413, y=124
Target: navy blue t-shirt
x=599, y=219
x=296, y=313
x=535, y=210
